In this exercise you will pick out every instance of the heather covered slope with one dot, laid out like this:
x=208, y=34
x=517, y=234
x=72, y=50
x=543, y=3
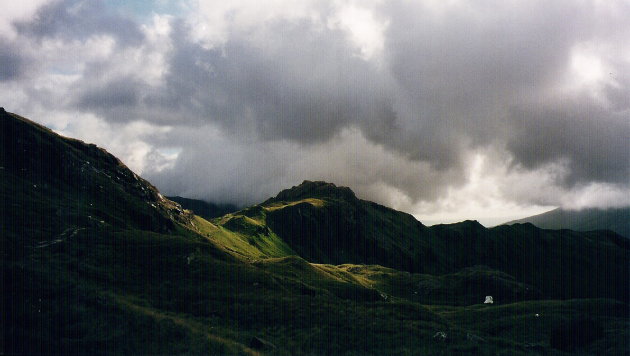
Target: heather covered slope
x=95, y=261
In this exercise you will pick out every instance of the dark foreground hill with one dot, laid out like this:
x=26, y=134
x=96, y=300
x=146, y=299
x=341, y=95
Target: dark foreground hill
x=96, y=261
x=51, y=184
x=614, y=219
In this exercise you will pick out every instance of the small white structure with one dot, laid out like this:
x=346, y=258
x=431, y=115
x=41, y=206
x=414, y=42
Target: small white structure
x=489, y=300
x=440, y=335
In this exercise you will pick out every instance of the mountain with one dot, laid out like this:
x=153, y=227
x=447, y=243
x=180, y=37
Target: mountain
x=73, y=185
x=96, y=261
x=206, y=210
x=614, y=219
x=327, y=224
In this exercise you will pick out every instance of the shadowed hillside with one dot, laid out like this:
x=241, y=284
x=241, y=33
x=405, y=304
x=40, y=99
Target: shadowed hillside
x=336, y=227
x=51, y=183
x=96, y=261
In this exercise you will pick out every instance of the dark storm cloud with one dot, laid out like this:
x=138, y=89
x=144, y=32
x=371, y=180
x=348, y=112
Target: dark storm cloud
x=451, y=79
x=78, y=20
x=594, y=143
x=110, y=96
x=458, y=72
x=466, y=73
x=12, y=64
x=304, y=85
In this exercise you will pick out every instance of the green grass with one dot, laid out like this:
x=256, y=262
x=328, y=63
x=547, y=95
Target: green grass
x=119, y=290
x=245, y=233
x=319, y=203
x=91, y=270
x=240, y=243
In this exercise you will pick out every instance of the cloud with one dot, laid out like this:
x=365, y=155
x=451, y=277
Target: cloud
x=590, y=140
x=12, y=64
x=113, y=95
x=18, y=11
x=303, y=86
x=78, y=20
x=260, y=169
x=395, y=99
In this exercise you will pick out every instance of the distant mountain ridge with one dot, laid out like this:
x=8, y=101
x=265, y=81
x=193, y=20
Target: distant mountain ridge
x=324, y=223
x=205, y=209
x=614, y=219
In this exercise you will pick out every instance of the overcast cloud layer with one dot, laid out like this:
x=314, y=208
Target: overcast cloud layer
x=445, y=109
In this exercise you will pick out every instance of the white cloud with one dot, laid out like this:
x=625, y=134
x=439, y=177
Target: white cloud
x=129, y=141
x=213, y=22
x=365, y=30
x=18, y=11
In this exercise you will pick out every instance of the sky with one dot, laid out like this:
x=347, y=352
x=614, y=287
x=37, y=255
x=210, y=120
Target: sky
x=449, y=110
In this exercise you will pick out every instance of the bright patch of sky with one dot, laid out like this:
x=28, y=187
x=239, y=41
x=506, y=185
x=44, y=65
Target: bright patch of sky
x=145, y=9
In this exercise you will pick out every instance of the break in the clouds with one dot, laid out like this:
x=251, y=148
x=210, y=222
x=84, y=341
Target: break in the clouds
x=448, y=110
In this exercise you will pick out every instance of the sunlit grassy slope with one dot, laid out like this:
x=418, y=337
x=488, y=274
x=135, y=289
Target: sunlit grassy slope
x=95, y=261
x=248, y=239
x=245, y=233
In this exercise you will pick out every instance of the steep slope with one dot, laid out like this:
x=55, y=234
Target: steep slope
x=614, y=219
x=83, y=239
x=51, y=184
